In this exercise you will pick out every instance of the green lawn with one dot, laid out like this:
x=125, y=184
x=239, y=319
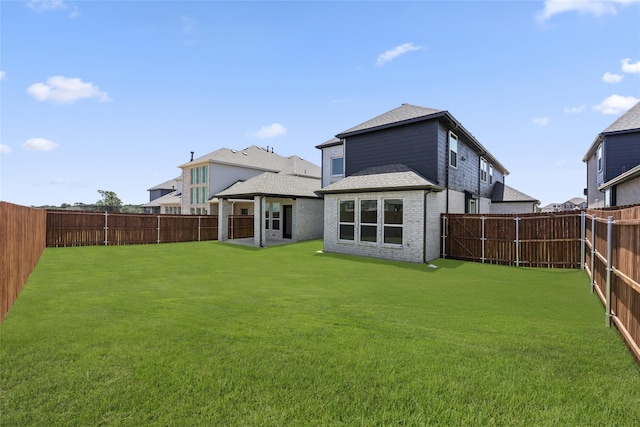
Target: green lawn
x=217, y=334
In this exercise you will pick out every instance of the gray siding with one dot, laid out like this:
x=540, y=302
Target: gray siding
x=415, y=145
x=621, y=153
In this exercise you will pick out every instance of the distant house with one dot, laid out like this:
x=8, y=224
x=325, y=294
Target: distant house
x=613, y=160
x=577, y=203
x=387, y=181
x=208, y=175
x=164, y=198
x=508, y=200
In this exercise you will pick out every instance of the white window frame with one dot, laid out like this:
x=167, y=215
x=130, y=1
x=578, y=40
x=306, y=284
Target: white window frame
x=333, y=173
x=484, y=172
x=453, y=150
x=599, y=157
x=386, y=225
x=362, y=224
x=347, y=223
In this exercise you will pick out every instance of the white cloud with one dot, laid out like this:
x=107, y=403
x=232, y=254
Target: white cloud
x=592, y=7
x=612, y=78
x=540, y=121
x=578, y=109
x=616, y=104
x=5, y=149
x=39, y=144
x=627, y=67
x=3, y=75
x=270, y=131
x=47, y=5
x=65, y=90
x=392, y=54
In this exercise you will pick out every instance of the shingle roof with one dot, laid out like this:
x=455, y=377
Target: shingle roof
x=382, y=178
x=503, y=193
x=404, y=113
x=629, y=121
x=272, y=184
x=173, y=198
x=259, y=158
x=167, y=185
x=329, y=143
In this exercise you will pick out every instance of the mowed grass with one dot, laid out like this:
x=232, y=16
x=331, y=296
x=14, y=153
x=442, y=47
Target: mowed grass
x=217, y=334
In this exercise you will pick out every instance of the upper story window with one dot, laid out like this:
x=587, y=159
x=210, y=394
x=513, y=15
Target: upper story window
x=484, y=170
x=599, y=157
x=200, y=175
x=490, y=174
x=453, y=150
x=337, y=166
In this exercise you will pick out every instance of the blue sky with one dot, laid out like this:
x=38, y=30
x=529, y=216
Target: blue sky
x=115, y=95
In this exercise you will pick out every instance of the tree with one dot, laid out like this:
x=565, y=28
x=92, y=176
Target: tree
x=109, y=202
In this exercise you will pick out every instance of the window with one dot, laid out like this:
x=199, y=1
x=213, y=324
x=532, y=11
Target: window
x=483, y=170
x=369, y=221
x=337, y=166
x=244, y=211
x=266, y=216
x=453, y=150
x=490, y=174
x=473, y=206
x=599, y=157
x=275, y=216
x=393, y=221
x=346, y=226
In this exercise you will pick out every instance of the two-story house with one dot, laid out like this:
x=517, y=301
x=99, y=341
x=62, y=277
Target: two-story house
x=278, y=191
x=165, y=198
x=387, y=181
x=613, y=163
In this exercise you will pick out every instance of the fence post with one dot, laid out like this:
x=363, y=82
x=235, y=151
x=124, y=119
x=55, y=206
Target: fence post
x=609, y=251
x=482, y=239
x=106, y=228
x=593, y=251
x=199, y=229
x=158, y=229
x=517, y=242
x=583, y=236
x=444, y=236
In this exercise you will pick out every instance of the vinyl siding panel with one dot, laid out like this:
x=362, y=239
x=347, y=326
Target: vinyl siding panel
x=621, y=153
x=414, y=145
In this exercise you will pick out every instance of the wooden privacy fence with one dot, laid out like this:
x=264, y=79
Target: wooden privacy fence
x=612, y=261
x=22, y=241
x=72, y=228
x=530, y=240
x=240, y=226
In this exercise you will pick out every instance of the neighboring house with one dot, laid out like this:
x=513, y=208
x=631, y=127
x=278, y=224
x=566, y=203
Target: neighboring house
x=577, y=203
x=612, y=163
x=164, y=198
x=551, y=207
x=208, y=175
x=286, y=207
x=508, y=200
x=387, y=181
